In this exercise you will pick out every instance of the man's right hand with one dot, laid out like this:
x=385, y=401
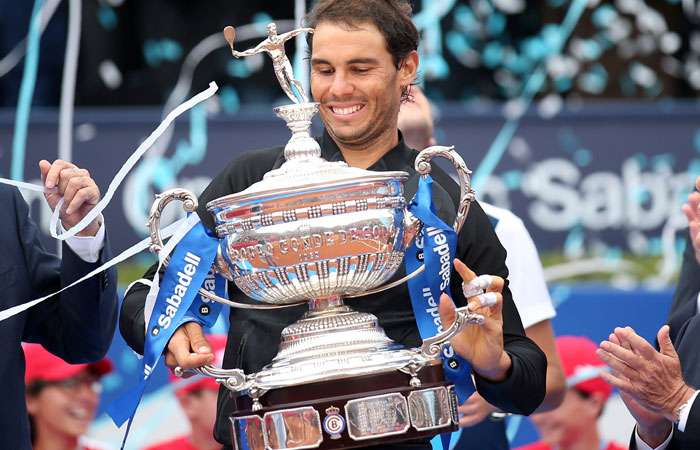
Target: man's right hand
x=188, y=348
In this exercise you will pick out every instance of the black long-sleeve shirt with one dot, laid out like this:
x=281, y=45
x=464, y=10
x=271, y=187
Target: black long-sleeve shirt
x=253, y=336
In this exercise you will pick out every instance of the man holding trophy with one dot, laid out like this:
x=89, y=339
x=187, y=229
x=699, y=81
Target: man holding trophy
x=363, y=62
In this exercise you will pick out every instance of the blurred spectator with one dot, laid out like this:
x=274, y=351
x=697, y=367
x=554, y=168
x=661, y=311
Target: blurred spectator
x=62, y=399
x=574, y=424
x=198, y=398
x=526, y=281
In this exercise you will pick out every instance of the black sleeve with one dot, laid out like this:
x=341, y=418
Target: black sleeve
x=524, y=389
x=242, y=171
x=78, y=324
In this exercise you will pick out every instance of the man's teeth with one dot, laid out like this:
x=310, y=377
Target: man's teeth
x=344, y=111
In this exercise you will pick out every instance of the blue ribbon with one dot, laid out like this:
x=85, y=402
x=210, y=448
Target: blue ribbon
x=189, y=266
x=435, y=246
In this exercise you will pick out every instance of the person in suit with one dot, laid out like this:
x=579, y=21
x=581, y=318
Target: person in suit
x=76, y=325
x=660, y=387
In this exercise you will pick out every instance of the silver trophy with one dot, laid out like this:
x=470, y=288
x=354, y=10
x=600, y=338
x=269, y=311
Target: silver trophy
x=317, y=231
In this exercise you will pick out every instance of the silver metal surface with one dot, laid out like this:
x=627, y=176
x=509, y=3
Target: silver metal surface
x=248, y=434
x=293, y=428
x=430, y=409
x=378, y=416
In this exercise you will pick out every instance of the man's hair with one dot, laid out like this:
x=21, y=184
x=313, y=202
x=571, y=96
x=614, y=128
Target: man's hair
x=391, y=17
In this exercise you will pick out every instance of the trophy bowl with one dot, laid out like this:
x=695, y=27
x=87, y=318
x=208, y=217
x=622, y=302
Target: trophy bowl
x=315, y=241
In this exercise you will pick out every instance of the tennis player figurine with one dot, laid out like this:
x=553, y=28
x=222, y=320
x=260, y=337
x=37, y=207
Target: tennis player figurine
x=273, y=45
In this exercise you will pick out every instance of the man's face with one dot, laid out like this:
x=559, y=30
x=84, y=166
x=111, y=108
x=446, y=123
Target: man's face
x=354, y=79
x=68, y=407
x=200, y=407
x=566, y=424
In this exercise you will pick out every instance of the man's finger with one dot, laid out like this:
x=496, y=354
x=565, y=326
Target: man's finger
x=638, y=344
x=89, y=195
x=617, y=365
x=464, y=271
x=616, y=382
x=665, y=343
x=198, y=342
x=446, y=309
x=53, y=176
x=626, y=356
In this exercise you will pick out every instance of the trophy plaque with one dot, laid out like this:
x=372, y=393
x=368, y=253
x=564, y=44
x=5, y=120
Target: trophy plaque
x=316, y=231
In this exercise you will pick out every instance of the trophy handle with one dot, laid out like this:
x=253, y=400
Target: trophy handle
x=190, y=204
x=432, y=346
x=412, y=225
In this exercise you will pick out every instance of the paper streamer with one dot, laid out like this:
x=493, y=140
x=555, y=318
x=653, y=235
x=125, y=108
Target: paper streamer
x=128, y=253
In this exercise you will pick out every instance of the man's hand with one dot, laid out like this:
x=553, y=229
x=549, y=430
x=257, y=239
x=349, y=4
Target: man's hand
x=79, y=191
x=652, y=427
x=188, y=348
x=482, y=346
x=693, y=214
x=654, y=379
x=474, y=410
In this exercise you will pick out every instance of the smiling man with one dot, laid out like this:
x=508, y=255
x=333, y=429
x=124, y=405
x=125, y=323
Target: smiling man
x=363, y=62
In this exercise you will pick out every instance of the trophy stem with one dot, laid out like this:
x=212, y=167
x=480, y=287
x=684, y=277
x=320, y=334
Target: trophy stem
x=319, y=305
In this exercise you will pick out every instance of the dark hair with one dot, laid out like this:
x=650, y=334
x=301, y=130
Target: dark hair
x=391, y=17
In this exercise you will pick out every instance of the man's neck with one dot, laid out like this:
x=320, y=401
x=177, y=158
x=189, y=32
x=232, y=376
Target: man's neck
x=365, y=156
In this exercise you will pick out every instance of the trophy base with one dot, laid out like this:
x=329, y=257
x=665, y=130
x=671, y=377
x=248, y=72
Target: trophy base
x=347, y=413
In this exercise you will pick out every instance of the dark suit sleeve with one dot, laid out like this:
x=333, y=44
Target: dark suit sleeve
x=78, y=324
x=132, y=321
x=524, y=389
x=691, y=435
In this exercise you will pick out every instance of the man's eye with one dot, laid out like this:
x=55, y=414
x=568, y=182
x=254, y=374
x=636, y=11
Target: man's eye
x=324, y=71
x=361, y=70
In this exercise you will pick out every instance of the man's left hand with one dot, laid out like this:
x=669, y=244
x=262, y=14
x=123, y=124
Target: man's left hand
x=652, y=378
x=481, y=346
x=79, y=191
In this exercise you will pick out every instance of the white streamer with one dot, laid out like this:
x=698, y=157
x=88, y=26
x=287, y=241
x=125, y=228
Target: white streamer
x=70, y=69
x=129, y=164
x=165, y=251
x=29, y=186
x=128, y=253
x=9, y=61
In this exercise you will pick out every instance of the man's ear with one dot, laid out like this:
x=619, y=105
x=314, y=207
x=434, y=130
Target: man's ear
x=408, y=69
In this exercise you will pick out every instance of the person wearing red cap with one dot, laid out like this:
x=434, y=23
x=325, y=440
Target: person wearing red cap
x=574, y=424
x=198, y=398
x=62, y=398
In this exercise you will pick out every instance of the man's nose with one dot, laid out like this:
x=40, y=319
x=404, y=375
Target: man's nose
x=341, y=85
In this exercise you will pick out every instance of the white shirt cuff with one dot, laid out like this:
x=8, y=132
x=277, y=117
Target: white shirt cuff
x=641, y=445
x=87, y=247
x=685, y=412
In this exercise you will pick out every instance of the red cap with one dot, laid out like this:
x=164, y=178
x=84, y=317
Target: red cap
x=581, y=365
x=218, y=343
x=42, y=365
